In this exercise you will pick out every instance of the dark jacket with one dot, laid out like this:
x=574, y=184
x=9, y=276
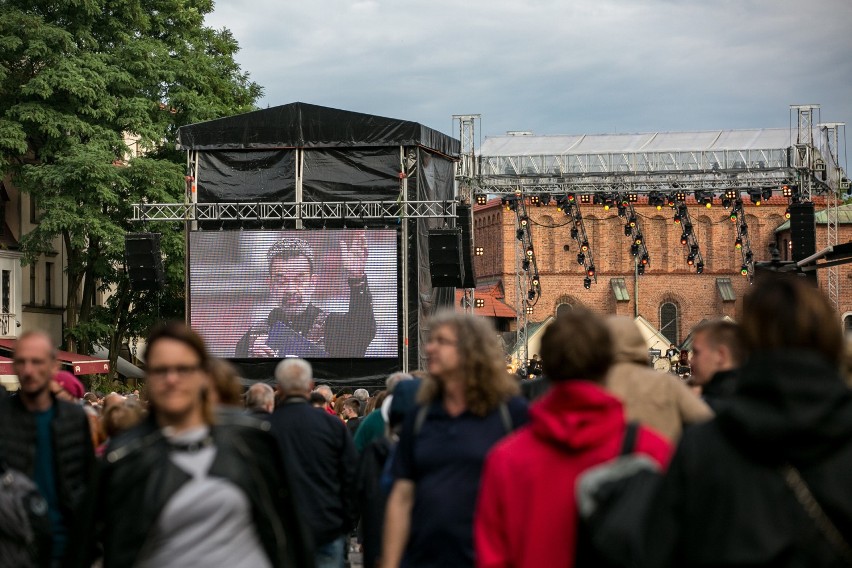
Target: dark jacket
x=320, y=459
x=724, y=502
x=138, y=479
x=74, y=456
x=720, y=389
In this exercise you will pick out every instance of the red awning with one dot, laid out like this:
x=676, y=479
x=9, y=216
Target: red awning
x=6, y=366
x=76, y=363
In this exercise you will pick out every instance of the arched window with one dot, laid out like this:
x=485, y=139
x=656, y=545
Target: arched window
x=563, y=309
x=847, y=324
x=670, y=322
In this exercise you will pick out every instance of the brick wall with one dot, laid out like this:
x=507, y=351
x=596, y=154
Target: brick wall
x=667, y=278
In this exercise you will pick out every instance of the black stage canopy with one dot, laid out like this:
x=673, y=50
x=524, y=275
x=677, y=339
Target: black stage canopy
x=302, y=125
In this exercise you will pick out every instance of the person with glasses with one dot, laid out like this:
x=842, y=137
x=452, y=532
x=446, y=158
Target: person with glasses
x=191, y=487
x=298, y=328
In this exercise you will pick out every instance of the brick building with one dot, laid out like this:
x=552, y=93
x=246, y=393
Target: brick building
x=670, y=295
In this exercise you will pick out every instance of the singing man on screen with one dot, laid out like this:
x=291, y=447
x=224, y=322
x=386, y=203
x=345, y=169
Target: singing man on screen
x=298, y=328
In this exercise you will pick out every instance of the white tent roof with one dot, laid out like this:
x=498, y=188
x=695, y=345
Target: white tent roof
x=701, y=141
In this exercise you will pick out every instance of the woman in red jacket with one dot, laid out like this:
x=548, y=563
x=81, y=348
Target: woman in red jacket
x=526, y=514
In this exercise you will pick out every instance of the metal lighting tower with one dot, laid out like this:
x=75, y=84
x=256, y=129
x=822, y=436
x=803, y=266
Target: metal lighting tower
x=830, y=171
x=465, y=182
x=804, y=158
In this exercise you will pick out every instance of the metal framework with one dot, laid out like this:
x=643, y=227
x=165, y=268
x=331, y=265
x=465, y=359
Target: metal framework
x=465, y=179
x=832, y=173
x=270, y=211
x=526, y=271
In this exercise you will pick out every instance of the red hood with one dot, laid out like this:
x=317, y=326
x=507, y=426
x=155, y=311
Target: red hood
x=577, y=414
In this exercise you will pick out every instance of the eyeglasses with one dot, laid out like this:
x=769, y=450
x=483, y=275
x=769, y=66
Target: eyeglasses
x=181, y=371
x=442, y=341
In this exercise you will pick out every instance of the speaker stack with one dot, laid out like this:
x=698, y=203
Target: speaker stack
x=802, y=230
x=450, y=262
x=143, y=261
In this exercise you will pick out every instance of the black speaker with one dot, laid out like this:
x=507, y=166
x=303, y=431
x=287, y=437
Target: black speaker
x=143, y=261
x=445, y=258
x=802, y=230
x=468, y=274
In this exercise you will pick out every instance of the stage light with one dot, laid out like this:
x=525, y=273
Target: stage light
x=677, y=219
x=684, y=238
x=680, y=196
x=574, y=232
x=529, y=251
x=591, y=270
x=479, y=251
x=587, y=282
x=524, y=221
x=632, y=197
x=749, y=256
x=787, y=213
x=632, y=221
x=756, y=197
x=687, y=228
x=535, y=281
x=519, y=234
x=640, y=270
x=481, y=199
x=627, y=231
x=767, y=193
x=694, y=250
x=733, y=217
x=786, y=190
x=531, y=294
x=744, y=229
x=581, y=258
x=638, y=240
x=479, y=303
x=572, y=197
x=534, y=200
x=585, y=198
x=545, y=199
x=690, y=259
x=699, y=268
x=585, y=246
x=634, y=250
x=744, y=270
x=732, y=194
x=525, y=265
x=622, y=210
x=738, y=244
x=670, y=201
x=645, y=259
x=529, y=310
x=726, y=202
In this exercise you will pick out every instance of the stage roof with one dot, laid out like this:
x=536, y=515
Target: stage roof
x=302, y=125
x=700, y=141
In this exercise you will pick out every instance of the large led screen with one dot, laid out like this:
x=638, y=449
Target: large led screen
x=319, y=293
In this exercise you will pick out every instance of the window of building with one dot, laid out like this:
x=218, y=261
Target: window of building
x=669, y=322
x=726, y=289
x=6, y=291
x=619, y=289
x=34, y=216
x=847, y=324
x=33, y=283
x=48, y=283
x=563, y=308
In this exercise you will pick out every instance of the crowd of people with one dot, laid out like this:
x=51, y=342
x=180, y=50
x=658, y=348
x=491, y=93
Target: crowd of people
x=460, y=464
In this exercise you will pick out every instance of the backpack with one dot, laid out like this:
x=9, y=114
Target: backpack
x=25, y=533
x=612, y=499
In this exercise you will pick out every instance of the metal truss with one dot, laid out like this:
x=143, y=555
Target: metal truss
x=465, y=177
x=632, y=229
x=742, y=242
x=688, y=237
x=526, y=272
x=832, y=173
x=635, y=163
x=294, y=211
x=568, y=203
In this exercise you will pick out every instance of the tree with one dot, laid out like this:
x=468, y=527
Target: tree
x=78, y=79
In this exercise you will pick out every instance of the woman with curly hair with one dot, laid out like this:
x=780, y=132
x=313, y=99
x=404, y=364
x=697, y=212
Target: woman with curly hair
x=466, y=405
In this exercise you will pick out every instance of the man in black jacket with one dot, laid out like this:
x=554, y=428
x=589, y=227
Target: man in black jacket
x=296, y=327
x=717, y=353
x=47, y=439
x=320, y=461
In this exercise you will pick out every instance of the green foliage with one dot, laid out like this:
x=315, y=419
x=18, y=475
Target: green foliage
x=76, y=78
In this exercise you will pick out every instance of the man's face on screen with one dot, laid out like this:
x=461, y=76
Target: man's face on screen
x=291, y=284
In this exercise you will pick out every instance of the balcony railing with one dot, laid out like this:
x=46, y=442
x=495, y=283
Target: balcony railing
x=8, y=324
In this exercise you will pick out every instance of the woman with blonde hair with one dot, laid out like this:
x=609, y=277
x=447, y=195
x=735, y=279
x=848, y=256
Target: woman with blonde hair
x=188, y=487
x=466, y=405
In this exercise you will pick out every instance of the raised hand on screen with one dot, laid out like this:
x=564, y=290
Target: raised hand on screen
x=353, y=253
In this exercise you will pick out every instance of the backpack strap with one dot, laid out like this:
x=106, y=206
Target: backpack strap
x=630, y=434
x=506, y=418
x=420, y=419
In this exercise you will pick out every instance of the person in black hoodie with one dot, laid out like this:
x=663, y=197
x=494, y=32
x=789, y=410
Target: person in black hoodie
x=717, y=353
x=737, y=488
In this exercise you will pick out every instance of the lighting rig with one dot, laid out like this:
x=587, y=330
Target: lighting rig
x=638, y=248
x=742, y=243
x=569, y=204
x=687, y=238
x=529, y=267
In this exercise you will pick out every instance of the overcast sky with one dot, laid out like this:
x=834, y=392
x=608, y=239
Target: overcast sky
x=550, y=66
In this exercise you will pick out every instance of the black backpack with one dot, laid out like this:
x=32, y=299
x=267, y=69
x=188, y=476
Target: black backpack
x=612, y=500
x=25, y=534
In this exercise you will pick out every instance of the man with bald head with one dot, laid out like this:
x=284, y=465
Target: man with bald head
x=260, y=400
x=47, y=439
x=320, y=460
